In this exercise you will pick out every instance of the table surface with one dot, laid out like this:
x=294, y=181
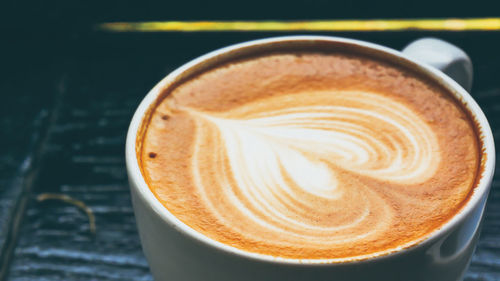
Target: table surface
x=63, y=125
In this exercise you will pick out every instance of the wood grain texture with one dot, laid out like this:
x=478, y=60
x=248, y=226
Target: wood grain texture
x=84, y=158
x=22, y=134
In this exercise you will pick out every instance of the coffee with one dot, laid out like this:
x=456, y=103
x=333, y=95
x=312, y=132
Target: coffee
x=310, y=155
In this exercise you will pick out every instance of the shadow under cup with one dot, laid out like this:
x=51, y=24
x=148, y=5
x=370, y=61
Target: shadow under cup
x=177, y=252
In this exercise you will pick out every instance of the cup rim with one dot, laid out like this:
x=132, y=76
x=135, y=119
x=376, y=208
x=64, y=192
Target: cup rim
x=482, y=186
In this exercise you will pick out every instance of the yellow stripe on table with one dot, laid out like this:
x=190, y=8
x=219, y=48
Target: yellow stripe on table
x=477, y=24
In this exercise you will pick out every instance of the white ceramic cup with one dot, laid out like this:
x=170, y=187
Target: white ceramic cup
x=178, y=253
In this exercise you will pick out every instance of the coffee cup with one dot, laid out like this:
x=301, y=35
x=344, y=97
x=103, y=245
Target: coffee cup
x=176, y=251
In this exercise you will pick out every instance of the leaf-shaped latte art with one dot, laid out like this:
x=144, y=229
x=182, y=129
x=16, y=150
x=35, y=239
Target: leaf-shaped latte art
x=280, y=170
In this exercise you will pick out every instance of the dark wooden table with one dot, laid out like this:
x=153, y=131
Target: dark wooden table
x=62, y=131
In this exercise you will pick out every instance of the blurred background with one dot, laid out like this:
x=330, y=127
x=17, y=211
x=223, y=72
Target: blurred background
x=69, y=89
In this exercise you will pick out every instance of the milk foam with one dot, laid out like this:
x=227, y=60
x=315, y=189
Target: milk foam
x=317, y=156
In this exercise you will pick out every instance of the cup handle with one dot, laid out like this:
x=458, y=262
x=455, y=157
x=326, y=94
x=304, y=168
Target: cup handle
x=444, y=56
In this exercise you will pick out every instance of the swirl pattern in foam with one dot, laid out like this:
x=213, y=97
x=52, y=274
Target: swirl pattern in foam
x=308, y=173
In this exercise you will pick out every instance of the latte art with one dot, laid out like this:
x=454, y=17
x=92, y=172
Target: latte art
x=279, y=170
x=308, y=173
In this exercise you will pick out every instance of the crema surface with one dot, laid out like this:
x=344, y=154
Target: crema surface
x=310, y=155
